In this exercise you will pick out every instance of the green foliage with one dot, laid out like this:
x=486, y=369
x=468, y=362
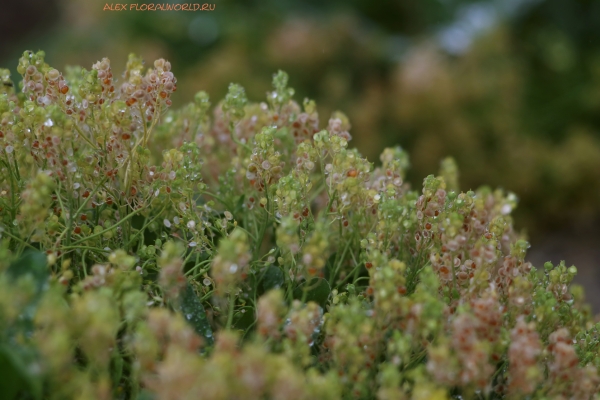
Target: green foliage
x=251, y=254
x=518, y=109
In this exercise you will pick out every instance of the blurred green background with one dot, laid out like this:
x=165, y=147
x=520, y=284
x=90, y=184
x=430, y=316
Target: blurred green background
x=509, y=88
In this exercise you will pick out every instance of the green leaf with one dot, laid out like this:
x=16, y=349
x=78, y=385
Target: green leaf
x=117, y=367
x=330, y=267
x=193, y=311
x=12, y=381
x=317, y=292
x=245, y=320
x=146, y=395
x=272, y=278
x=240, y=204
x=18, y=378
x=33, y=263
x=17, y=361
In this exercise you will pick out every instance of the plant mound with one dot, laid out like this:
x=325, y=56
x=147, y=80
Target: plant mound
x=248, y=253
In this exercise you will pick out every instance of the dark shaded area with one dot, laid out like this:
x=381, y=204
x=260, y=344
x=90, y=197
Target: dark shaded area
x=20, y=19
x=558, y=43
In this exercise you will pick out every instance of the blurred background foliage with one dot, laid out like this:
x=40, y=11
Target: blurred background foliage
x=509, y=88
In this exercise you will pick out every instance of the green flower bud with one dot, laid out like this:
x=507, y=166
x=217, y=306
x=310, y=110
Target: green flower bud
x=234, y=103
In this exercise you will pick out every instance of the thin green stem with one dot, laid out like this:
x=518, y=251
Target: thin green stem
x=62, y=210
x=290, y=284
x=86, y=248
x=261, y=234
x=83, y=266
x=17, y=173
x=207, y=295
x=140, y=232
x=230, y=311
x=308, y=288
x=215, y=197
x=247, y=232
x=235, y=139
x=317, y=192
x=12, y=190
x=120, y=222
x=78, y=210
x=18, y=239
x=83, y=136
x=146, y=129
x=339, y=264
x=197, y=266
x=350, y=274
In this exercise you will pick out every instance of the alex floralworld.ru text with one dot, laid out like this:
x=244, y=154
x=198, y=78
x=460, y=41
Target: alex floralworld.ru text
x=159, y=7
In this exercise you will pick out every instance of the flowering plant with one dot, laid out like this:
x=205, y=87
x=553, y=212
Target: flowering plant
x=249, y=253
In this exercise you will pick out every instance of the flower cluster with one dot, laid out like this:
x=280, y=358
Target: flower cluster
x=315, y=247
x=304, y=322
x=36, y=200
x=265, y=166
x=249, y=253
x=230, y=266
x=150, y=90
x=270, y=311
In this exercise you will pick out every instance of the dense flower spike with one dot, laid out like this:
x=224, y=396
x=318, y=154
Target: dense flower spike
x=230, y=266
x=265, y=166
x=523, y=353
x=269, y=314
x=247, y=252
